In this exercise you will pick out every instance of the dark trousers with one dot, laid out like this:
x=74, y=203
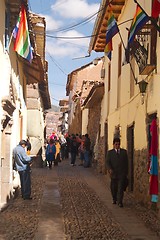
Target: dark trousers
x=117, y=189
x=73, y=157
x=50, y=164
x=25, y=180
x=62, y=151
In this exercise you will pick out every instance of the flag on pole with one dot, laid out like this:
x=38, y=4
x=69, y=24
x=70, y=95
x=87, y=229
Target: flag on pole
x=140, y=18
x=22, y=43
x=155, y=8
x=112, y=29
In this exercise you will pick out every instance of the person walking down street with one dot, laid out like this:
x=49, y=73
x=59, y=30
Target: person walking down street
x=22, y=165
x=87, y=144
x=78, y=139
x=73, y=149
x=57, y=155
x=81, y=150
x=68, y=143
x=50, y=152
x=28, y=146
x=117, y=165
x=63, y=146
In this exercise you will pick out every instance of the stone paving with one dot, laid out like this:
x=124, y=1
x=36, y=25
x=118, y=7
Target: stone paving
x=85, y=203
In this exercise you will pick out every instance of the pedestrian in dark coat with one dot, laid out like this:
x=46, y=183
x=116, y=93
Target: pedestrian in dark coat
x=73, y=149
x=87, y=145
x=117, y=165
x=50, y=152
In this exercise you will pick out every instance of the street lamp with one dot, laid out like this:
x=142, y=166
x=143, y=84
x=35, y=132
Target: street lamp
x=142, y=88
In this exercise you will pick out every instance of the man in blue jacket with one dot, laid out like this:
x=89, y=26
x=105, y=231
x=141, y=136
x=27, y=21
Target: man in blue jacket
x=22, y=164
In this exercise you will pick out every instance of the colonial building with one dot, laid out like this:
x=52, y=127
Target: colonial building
x=63, y=128
x=131, y=90
x=16, y=73
x=38, y=99
x=79, y=84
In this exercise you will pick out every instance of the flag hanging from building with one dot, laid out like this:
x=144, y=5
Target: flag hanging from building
x=22, y=43
x=140, y=18
x=156, y=8
x=112, y=29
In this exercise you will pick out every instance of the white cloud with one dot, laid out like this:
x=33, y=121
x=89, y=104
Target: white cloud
x=52, y=24
x=68, y=47
x=74, y=8
x=70, y=9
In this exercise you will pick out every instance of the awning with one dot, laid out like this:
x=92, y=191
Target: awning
x=98, y=41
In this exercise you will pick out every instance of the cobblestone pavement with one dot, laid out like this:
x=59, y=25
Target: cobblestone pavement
x=87, y=211
x=19, y=220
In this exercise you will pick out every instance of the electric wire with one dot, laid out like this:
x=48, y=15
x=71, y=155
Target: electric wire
x=57, y=64
x=75, y=38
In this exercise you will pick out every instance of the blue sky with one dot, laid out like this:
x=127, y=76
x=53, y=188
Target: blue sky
x=61, y=16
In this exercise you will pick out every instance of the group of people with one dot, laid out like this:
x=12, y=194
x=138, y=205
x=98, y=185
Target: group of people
x=68, y=147
x=79, y=146
x=53, y=152
x=116, y=162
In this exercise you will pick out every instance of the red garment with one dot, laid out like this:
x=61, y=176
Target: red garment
x=153, y=185
x=153, y=190
x=155, y=8
x=53, y=136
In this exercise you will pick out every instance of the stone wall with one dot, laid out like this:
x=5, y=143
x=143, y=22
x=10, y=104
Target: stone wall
x=76, y=125
x=141, y=176
x=97, y=142
x=101, y=156
x=93, y=124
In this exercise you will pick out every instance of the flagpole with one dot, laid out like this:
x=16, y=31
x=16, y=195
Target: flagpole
x=150, y=18
x=125, y=54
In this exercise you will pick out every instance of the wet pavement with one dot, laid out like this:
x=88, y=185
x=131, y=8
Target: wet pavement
x=75, y=203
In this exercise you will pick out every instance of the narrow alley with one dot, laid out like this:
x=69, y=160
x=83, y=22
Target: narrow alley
x=75, y=203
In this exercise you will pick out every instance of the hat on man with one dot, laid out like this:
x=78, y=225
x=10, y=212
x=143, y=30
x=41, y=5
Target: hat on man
x=23, y=142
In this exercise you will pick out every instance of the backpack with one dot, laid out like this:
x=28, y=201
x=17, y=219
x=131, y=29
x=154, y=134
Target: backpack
x=50, y=151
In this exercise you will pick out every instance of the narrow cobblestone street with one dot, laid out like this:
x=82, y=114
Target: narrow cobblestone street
x=75, y=203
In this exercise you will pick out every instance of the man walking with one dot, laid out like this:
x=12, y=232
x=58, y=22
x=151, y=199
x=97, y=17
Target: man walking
x=117, y=165
x=87, y=145
x=22, y=165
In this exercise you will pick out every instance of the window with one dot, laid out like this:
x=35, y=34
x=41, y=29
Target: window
x=144, y=49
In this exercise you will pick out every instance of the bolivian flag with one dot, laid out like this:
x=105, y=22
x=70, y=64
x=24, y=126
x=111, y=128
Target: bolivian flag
x=112, y=29
x=22, y=43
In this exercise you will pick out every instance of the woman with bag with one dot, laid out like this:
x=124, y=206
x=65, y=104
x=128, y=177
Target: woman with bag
x=50, y=152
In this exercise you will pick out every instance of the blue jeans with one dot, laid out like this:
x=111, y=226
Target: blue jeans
x=25, y=179
x=86, y=159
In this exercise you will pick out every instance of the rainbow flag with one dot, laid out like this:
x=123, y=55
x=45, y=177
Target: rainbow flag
x=112, y=29
x=22, y=43
x=140, y=18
